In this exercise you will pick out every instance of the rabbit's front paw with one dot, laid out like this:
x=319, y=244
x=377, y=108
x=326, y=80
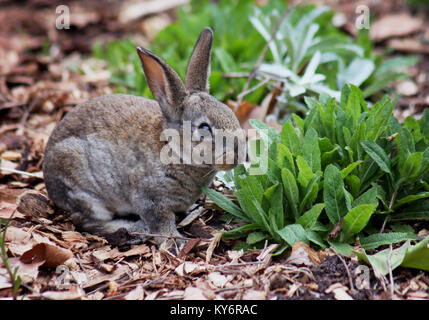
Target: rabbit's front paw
x=122, y=237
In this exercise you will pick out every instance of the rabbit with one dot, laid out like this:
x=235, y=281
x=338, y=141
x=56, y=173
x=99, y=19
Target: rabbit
x=103, y=161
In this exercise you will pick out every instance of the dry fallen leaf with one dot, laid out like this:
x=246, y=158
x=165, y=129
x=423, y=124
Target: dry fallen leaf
x=8, y=211
x=395, y=25
x=339, y=291
x=135, y=294
x=51, y=256
x=409, y=45
x=16, y=234
x=74, y=293
x=302, y=254
x=255, y=295
x=217, y=279
x=193, y=293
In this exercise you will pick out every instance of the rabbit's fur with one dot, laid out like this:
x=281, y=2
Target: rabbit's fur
x=102, y=162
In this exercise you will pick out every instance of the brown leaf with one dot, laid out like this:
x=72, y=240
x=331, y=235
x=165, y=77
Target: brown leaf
x=8, y=211
x=409, y=45
x=16, y=234
x=302, y=254
x=75, y=293
x=188, y=247
x=193, y=293
x=395, y=25
x=51, y=256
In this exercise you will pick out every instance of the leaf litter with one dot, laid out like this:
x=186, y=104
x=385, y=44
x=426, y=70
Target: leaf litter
x=57, y=262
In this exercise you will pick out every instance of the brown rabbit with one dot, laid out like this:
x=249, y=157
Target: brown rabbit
x=103, y=161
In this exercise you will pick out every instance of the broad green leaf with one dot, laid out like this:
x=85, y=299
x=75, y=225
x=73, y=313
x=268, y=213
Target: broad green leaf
x=416, y=211
x=380, y=261
x=412, y=165
x=290, y=139
x=379, y=239
x=225, y=203
x=407, y=255
x=285, y=159
x=424, y=125
x=304, y=172
x=411, y=198
x=308, y=219
x=377, y=154
x=240, y=231
x=255, y=237
x=265, y=130
x=293, y=233
x=342, y=248
x=356, y=73
x=291, y=190
x=311, y=192
x=316, y=238
x=357, y=218
x=333, y=194
x=299, y=122
x=417, y=256
x=311, y=151
x=369, y=197
x=347, y=170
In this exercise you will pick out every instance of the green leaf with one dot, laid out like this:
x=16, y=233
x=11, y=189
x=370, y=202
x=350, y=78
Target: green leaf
x=316, y=238
x=293, y=233
x=417, y=211
x=417, y=256
x=291, y=190
x=347, y=170
x=411, y=198
x=284, y=158
x=408, y=256
x=369, y=197
x=304, y=172
x=377, y=154
x=424, y=125
x=265, y=131
x=411, y=166
x=342, y=248
x=356, y=219
x=379, y=239
x=255, y=237
x=311, y=151
x=333, y=194
x=289, y=138
x=308, y=219
x=356, y=73
x=225, y=203
x=380, y=261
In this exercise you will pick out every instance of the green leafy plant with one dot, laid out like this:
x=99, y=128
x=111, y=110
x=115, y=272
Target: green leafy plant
x=345, y=165
x=310, y=55
x=235, y=48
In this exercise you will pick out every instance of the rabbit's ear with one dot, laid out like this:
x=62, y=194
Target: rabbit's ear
x=164, y=83
x=198, y=71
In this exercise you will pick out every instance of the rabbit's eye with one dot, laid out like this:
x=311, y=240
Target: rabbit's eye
x=204, y=126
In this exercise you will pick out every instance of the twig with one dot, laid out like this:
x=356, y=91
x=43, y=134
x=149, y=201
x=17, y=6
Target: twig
x=236, y=75
x=233, y=288
x=264, y=51
x=260, y=84
x=156, y=235
x=21, y=172
x=352, y=288
x=238, y=264
x=139, y=9
x=389, y=265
